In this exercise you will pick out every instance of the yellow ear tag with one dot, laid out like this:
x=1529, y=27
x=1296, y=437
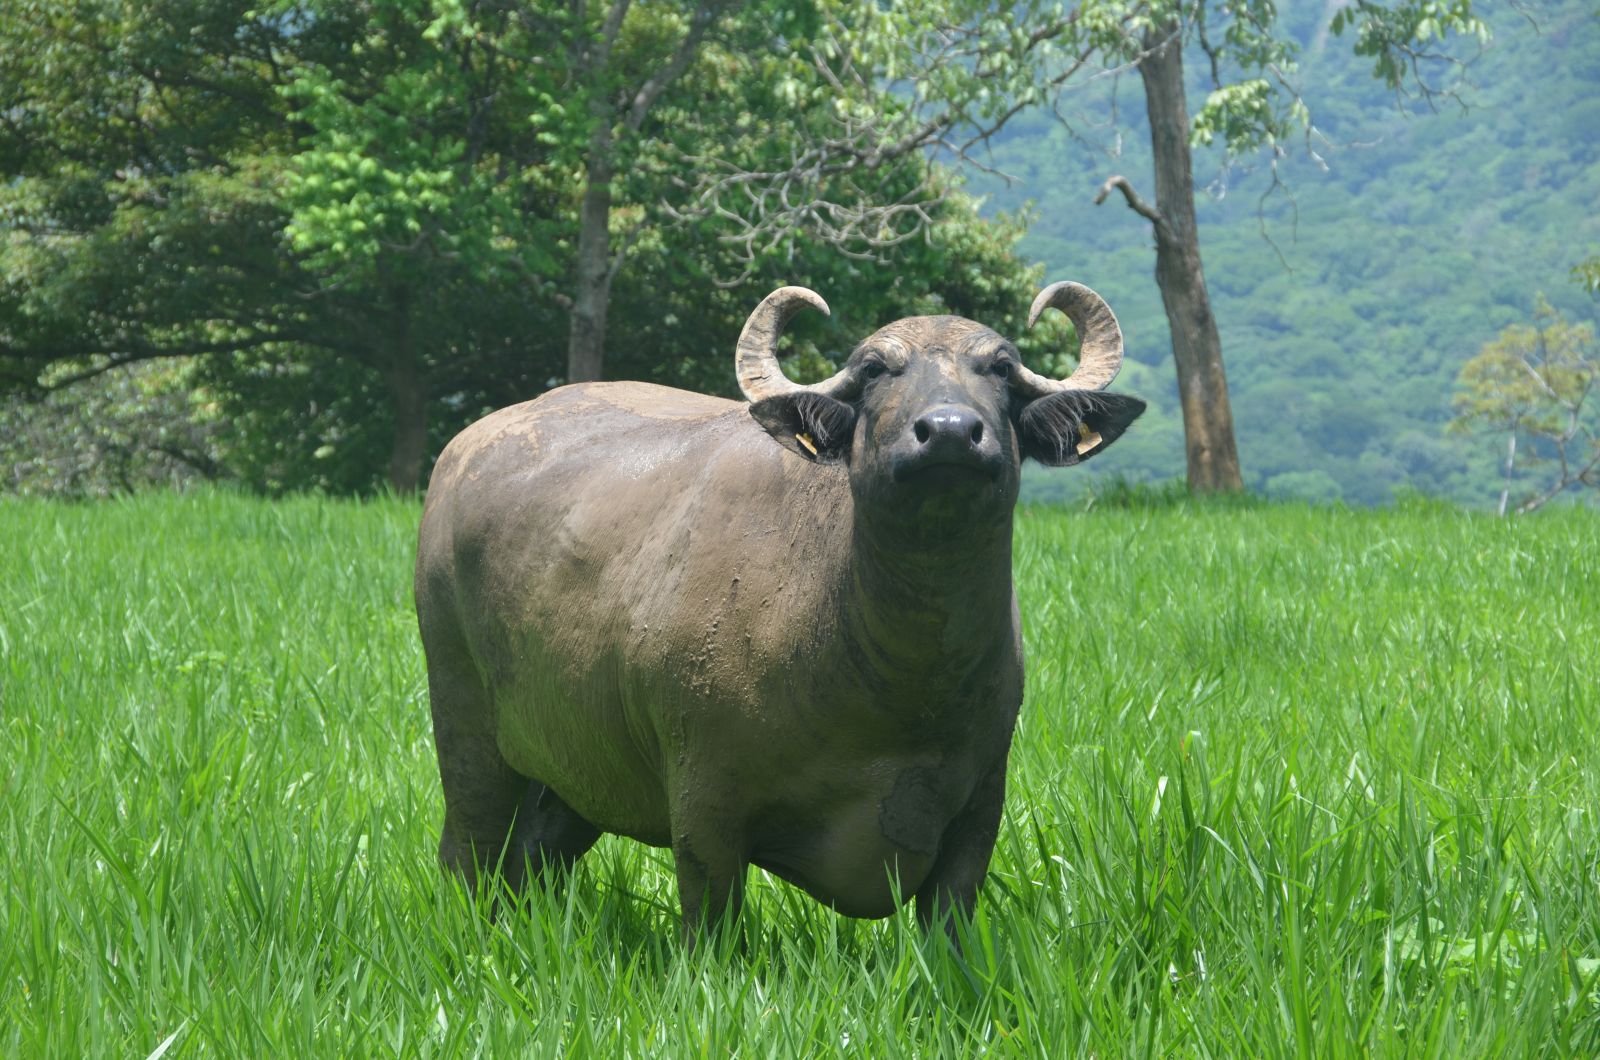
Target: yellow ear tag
x=1087, y=439
x=805, y=440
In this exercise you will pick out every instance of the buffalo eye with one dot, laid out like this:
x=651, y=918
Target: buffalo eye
x=873, y=369
x=1003, y=368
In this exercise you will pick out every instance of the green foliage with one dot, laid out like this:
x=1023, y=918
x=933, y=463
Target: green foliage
x=1241, y=113
x=1529, y=376
x=1330, y=794
x=325, y=201
x=1396, y=38
x=137, y=427
x=1587, y=275
x=142, y=209
x=137, y=163
x=418, y=156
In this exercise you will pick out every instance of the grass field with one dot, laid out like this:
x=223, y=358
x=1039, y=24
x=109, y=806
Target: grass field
x=1288, y=782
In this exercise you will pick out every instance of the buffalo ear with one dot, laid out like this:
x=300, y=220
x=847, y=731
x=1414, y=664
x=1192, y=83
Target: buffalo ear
x=1070, y=426
x=814, y=425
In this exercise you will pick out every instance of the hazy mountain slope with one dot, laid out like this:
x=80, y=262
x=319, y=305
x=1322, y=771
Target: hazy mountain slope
x=1426, y=234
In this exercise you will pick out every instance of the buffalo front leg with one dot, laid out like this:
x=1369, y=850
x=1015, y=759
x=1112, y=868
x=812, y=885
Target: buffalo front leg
x=710, y=885
x=709, y=856
x=950, y=891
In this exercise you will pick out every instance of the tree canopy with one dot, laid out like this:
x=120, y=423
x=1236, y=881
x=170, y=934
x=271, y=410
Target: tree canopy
x=366, y=219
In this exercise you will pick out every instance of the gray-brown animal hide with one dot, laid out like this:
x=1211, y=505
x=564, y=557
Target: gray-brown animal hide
x=647, y=613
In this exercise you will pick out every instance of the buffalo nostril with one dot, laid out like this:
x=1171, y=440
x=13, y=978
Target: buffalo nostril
x=977, y=432
x=920, y=429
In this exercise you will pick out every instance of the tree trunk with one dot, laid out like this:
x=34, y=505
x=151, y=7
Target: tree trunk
x=587, y=340
x=1511, y=464
x=1196, y=348
x=409, y=395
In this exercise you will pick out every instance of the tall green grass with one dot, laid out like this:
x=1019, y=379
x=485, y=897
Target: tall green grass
x=1289, y=781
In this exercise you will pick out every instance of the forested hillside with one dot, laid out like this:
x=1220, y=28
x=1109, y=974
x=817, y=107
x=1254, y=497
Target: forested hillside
x=1426, y=233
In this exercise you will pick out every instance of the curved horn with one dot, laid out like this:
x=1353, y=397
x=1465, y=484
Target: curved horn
x=1099, y=339
x=757, y=359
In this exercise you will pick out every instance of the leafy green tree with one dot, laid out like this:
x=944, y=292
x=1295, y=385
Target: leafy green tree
x=413, y=198
x=142, y=153
x=326, y=202
x=620, y=59
x=138, y=163
x=863, y=100
x=1534, y=382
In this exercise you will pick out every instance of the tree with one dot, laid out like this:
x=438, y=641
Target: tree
x=412, y=199
x=137, y=203
x=874, y=91
x=1534, y=381
x=618, y=89
x=766, y=126
x=1212, y=453
x=325, y=202
x=142, y=150
x=1253, y=104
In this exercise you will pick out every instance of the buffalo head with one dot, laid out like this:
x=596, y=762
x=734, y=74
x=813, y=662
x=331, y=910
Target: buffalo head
x=934, y=414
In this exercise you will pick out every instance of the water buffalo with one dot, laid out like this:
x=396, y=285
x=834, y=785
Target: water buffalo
x=779, y=633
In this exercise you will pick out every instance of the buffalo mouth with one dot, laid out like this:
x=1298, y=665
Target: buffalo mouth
x=947, y=471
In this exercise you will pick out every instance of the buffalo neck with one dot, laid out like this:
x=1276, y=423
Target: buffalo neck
x=915, y=614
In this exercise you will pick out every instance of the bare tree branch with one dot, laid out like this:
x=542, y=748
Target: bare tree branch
x=136, y=353
x=833, y=186
x=1135, y=203
x=610, y=31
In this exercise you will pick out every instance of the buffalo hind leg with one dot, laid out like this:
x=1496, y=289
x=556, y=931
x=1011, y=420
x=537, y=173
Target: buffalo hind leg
x=512, y=825
x=547, y=838
x=486, y=802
